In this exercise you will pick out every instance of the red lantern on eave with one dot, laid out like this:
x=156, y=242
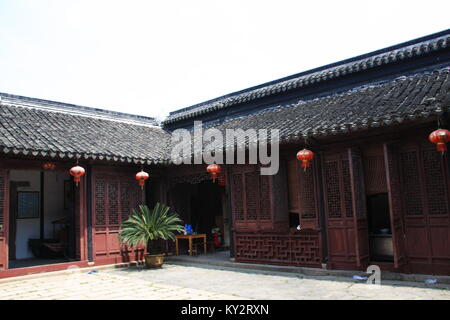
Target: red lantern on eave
x=305, y=156
x=49, y=165
x=141, y=177
x=440, y=137
x=77, y=172
x=214, y=169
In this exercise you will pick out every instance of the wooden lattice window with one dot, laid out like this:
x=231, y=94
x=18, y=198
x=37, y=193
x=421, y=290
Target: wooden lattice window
x=333, y=189
x=411, y=183
x=301, y=190
x=100, y=198
x=113, y=203
x=347, y=188
x=252, y=195
x=307, y=198
x=238, y=196
x=337, y=185
x=115, y=198
x=125, y=201
x=265, y=211
x=435, y=182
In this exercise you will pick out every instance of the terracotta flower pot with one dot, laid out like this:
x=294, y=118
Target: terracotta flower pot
x=154, y=260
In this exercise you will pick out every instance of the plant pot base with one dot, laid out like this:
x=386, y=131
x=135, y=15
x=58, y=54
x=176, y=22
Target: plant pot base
x=154, y=260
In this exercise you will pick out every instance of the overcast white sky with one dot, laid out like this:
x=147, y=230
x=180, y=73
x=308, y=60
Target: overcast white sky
x=150, y=58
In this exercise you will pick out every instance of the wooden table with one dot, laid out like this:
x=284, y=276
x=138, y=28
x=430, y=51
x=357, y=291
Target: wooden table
x=190, y=237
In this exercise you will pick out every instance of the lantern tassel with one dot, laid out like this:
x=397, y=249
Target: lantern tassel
x=441, y=147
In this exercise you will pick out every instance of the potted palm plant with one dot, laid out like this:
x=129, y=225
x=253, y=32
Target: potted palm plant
x=146, y=225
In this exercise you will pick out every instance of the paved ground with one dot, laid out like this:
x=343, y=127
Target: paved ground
x=192, y=283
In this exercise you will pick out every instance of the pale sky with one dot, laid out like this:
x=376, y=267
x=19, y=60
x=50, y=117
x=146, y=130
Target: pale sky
x=152, y=57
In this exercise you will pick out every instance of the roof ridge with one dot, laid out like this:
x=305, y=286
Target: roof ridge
x=77, y=110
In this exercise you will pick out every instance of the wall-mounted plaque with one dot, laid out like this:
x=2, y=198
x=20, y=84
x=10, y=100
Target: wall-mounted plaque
x=28, y=204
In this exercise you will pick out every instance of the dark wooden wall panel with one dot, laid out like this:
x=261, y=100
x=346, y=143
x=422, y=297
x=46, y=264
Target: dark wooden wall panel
x=115, y=196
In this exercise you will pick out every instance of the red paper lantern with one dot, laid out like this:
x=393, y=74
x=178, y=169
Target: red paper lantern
x=440, y=137
x=141, y=177
x=214, y=169
x=77, y=172
x=49, y=165
x=305, y=156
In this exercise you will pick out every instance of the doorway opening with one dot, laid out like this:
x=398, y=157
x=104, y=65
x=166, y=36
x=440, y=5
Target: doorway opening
x=377, y=201
x=380, y=232
x=203, y=206
x=42, y=224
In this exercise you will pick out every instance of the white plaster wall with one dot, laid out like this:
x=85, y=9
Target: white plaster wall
x=26, y=228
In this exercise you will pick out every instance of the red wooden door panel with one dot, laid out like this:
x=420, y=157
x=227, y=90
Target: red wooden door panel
x=359, y=207
x=391, y=159
x=424, y=176
x=339, y=211
x=4, y=214
x=114, y=199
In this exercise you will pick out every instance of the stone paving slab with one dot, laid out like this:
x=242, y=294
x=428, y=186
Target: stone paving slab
x=175, y=282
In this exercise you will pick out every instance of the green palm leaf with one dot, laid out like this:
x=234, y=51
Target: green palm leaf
x=145, y=225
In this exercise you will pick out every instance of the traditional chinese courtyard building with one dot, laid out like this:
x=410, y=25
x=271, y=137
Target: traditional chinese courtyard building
x=376, y=192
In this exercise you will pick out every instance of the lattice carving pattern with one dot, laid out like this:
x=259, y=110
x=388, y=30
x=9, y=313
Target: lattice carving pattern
x=100, y=198
x=333, y=189
x=435, y=182
x=251, y=195
x=122, y=197
x=265, y=212
x=411, y=183
x=359, y=186
x=113, y=202
x=126, y=201
x=307, y=198
x=238, y=199
x=347, y=188
x=293, y=184
x=276, y=248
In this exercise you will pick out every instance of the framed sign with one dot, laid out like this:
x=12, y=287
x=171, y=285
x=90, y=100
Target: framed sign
x=28, y=204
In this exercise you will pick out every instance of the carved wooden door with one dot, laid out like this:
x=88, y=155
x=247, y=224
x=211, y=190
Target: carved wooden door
x=359, y=207
x=391, y=158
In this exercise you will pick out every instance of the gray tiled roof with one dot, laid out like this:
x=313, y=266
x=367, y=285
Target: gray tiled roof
x=365, y=62
x=45, y=128
x=369, y=106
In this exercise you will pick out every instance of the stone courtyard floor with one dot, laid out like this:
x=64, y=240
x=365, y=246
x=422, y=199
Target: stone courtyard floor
x=181, y=282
